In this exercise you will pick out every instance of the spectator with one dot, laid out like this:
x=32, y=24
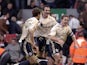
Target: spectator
x=83, y=17
x=73, y=23
x=14, y=50
x=72, y=3
x=0, y=11
x=4, y=24
x=78, y=51
x=32, y=5
x=23, y=4
x=62, y=3
x=16, y=3
x=14, y=28
x=3, y=44
x=10, y=10
x=42, y=5
x=79, y=29
x=5, y=15
x=9, y=37
x=37, y=2
x=20, y=21
x=50, y=3
x=3, y=4
x=79, y=5
x=19, y=4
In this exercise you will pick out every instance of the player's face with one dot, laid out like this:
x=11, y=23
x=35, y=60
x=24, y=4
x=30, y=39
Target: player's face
x=65, y=21
x=46, y=11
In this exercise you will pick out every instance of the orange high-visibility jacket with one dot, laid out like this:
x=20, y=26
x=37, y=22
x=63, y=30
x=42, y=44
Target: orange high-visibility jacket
x=78, y=51
x=1, y=51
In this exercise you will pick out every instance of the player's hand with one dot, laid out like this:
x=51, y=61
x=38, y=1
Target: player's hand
x=61, y=42
x=20, y=42
x=35, y=48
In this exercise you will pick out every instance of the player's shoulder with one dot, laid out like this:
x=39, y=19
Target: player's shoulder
x=51, y=17
x=32, y=19
x=68, y=26
x=57, y=25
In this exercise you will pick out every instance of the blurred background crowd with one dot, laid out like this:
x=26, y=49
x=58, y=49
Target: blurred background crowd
x=9, y=11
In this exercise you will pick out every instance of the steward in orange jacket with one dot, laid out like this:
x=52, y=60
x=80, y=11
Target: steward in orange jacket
x=2, y=50
x=4, y=57
x=78, y=51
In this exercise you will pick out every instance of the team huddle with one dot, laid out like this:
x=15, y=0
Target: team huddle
x=43, y=37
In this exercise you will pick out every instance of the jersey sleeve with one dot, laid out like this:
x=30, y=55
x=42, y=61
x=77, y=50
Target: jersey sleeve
x=53, y=30
x=24, y=31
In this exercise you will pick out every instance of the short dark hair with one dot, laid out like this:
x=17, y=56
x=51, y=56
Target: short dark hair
x=36, y=11
x=71, y=16
x=31, y=1
x=46, y=6
x=64, y=16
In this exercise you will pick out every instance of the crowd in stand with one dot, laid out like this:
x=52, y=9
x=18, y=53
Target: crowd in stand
x=11, y=24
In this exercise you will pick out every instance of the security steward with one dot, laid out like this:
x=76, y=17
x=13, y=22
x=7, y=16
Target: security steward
x=4, y=57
